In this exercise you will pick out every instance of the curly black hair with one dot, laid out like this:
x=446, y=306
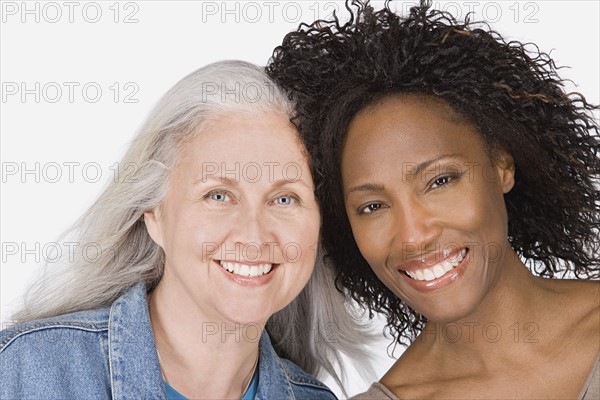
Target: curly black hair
x=509, y=91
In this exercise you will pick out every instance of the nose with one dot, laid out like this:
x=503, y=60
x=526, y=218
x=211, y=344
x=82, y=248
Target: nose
x=252, y=234
x=416, y=229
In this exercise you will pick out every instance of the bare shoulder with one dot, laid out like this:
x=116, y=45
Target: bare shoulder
x=416, y=374
x=577, y=294
x=578, y=336
x=576, y=303
x=589, y=304
x=589, y=292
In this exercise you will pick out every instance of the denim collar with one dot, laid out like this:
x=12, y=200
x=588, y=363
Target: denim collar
x=135, y=370
x=133, y=361
x=273, y=382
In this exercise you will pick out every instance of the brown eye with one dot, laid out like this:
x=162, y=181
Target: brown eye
x=441, y=181
x=444, y=180
x=369, y=208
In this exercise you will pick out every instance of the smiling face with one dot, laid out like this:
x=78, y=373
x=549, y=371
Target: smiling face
x=426, y=205
x=239, y=223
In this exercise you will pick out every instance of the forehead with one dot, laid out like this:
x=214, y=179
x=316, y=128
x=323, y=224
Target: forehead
x=406, y=128
x=406, y=109
x=245, y=136
x=252, y=148
x=417, y=101
x=404, y=115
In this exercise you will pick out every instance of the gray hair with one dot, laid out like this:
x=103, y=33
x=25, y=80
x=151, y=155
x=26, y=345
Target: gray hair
x=312, y=331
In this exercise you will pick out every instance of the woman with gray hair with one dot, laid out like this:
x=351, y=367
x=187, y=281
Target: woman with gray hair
x=205, y=282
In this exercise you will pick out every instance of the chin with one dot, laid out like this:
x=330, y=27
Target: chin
x=449, y=312
x=250, y=318
x=243, y=314
x=448, y=317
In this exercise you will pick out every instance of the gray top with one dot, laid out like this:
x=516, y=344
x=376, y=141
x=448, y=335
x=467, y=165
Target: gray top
x=590, y=391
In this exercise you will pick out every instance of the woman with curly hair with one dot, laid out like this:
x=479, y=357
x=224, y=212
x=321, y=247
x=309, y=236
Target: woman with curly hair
x=455, y=177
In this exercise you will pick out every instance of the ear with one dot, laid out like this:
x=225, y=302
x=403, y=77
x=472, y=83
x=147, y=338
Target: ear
x=153, y=225
x=505, y=167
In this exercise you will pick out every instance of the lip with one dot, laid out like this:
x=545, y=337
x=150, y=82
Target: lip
x=250, y=281
x=429, y=260
x=438, y=283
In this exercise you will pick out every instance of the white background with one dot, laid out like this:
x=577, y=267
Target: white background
x=140, y=49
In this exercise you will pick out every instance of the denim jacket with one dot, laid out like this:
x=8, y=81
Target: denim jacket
x=110, y=353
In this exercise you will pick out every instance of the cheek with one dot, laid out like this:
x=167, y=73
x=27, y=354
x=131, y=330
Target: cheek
x=482, y=213
x=498, y=217
x=370, y=241
x=310, y=246
x=190, y=235
x=208, y=227
x=295, y=238
x=307, y=236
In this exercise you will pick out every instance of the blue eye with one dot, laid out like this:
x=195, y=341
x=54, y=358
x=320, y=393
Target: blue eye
x=218, y=196
x=285, y=200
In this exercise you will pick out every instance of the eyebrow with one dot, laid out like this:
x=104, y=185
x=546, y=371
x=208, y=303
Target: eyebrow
x=283, y=182
x=366, y=187
x=221, y=179
x=374, y=187
x=425, y=164
x=228, y=181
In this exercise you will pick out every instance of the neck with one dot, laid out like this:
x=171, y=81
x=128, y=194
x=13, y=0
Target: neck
x=202, y=358
x=506, y=322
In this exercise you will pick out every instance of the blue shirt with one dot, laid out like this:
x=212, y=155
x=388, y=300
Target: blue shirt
x=173, y=394
x=252, y=389
x=250, y=394
x=110, y=353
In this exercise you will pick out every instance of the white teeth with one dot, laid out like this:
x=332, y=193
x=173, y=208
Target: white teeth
x=448, y=265
x=429, y=275
x=458, y=258
x=246, y=270
x=227, y=266
x=420, y=275
x=438, y=270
